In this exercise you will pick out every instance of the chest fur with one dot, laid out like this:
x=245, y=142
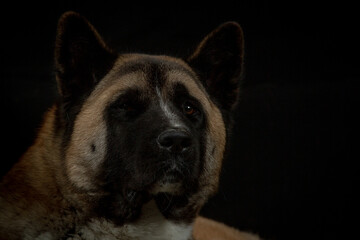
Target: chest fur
x=152, y=226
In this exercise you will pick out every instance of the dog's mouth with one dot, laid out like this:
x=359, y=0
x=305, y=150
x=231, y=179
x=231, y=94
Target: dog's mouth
x=169, y=181
x=163, y=174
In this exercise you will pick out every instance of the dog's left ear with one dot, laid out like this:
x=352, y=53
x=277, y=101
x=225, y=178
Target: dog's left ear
x=218, y=60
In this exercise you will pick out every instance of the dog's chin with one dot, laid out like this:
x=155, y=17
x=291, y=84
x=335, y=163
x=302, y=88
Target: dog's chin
x=169, y=183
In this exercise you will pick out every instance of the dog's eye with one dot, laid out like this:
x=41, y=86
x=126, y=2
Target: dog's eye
x=125, y=110
x=126, y=107
x=189, y=109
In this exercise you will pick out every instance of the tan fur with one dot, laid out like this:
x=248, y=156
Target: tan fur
x=81, y=164
x=206, y=229
x=33, y=178
x=36, y=178
x=29, y=191
x=38, y=196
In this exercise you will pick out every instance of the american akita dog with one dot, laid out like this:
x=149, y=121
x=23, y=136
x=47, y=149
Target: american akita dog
x=134, y=146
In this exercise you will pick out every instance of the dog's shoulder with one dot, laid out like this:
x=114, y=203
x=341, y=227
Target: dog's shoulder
x=29, y=192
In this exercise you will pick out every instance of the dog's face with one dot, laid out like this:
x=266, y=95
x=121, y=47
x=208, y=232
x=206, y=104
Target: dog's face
x=138, y=126
x=155, y=126
x=149, y=118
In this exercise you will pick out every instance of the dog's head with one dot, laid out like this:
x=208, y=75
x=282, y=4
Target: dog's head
x=142, y=125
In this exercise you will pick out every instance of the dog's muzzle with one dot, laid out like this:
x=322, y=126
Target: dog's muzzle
x=175, y=145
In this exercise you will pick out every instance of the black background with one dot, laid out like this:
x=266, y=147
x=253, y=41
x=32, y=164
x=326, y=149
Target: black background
x=290, y=172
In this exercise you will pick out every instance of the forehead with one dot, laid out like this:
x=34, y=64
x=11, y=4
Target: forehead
x=148, y=73
x=155, y=69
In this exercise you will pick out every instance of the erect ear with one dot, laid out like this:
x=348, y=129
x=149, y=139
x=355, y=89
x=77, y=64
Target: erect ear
x=81, y=56
x=218, y=60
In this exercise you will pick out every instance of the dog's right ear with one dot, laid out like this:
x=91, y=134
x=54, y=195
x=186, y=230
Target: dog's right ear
x=81, y=56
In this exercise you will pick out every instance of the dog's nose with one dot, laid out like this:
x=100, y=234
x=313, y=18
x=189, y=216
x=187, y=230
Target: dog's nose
x=175, y=141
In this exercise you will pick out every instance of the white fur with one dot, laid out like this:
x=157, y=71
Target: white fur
x=151, y=226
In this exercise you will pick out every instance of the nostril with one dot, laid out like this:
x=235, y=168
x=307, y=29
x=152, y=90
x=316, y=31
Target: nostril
x=174, y=140
x=166, y=141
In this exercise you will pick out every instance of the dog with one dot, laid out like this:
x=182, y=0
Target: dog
x=133, y=148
